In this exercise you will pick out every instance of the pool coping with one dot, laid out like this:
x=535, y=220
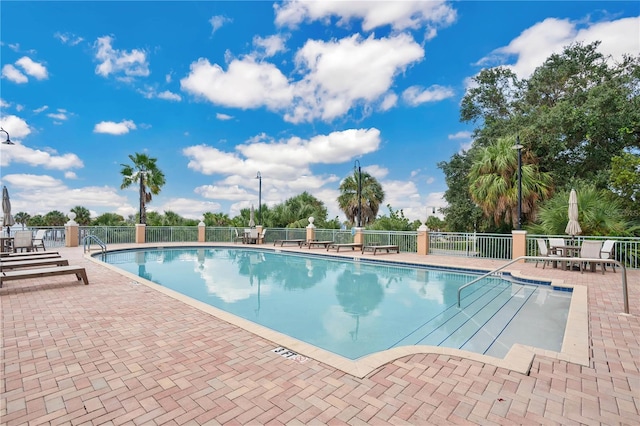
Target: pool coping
x=575, y=345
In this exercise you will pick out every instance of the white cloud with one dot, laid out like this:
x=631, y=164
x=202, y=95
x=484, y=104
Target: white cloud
x=223, y=192
x=188, y=208
x=461, y=135
x=32, y=68
x=125, y=65
x=58, y=115
x=390, y=100
x=49, y=159
x=217, y=22
x=16, y=126
x=41, y=109
x=245, y=84
x=169, y=96
x=13, y=74
x=416, y=95
x=70, y=175
x=535, y=44
x=223, y=117
x=68, y=38
x=399, y=15
x=114, y=128
x=271, y=45
x=376, y=171
x=340, y=74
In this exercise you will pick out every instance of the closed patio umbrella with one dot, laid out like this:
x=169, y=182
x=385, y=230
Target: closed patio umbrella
x=252, y=221
x=573, y=226
x=7, y=219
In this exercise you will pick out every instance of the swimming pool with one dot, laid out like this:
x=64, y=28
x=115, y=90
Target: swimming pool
x=354, y=309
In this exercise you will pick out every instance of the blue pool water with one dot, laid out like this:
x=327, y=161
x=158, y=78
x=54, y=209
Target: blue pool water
x=357, y=308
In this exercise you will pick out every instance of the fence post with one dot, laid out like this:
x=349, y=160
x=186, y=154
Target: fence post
x=71, y=232
x=423, y=240
x=311, y=229
x=140, y=233
x=358, y=237
x=518, y=244
x=201, y=233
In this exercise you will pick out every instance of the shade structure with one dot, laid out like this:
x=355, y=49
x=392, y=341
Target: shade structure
x=573, y=226
x=252, y=221
x=7, y=219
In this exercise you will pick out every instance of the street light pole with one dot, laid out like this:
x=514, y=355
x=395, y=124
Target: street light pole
x=358, y=169
x=259, y=177
x=8, y=141
x=519, y=148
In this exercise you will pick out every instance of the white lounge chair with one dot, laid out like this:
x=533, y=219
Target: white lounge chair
x=590, y=250
x=557, y=242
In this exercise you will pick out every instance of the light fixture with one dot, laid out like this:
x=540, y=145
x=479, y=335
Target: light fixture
x=8, y=141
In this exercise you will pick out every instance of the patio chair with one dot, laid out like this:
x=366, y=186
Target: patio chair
x=22, y=240
x=590, y=250
x=261, y=236
x=544, y=251
x=607, y=252
x=557, y=242
x=238, y=237
x=38, y=240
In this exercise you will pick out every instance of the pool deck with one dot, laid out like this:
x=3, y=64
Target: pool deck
x=118, y=351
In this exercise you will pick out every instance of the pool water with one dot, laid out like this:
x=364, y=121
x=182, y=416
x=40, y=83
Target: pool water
x=354, y=309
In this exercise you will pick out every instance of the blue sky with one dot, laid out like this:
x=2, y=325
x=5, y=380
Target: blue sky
x=219, y=90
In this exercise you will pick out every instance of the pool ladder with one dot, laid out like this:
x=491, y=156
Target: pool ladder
x=87, y=241
x=625, y=291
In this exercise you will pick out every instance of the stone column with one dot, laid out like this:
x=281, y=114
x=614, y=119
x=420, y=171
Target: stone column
x=358, y=238
x=311, y=229
x=519, y=244
x=201, y=232
x=259, y=228
x=140, y=233
x=71, y=231
x=423, y=240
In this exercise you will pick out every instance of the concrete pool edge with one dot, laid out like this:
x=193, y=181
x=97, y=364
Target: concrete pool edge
x=575, y=347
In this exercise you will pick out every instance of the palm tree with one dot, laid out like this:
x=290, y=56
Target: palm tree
x=83, y=216
x=22, y=218
x=372, y=197
x=493, y=181
x=144, y=172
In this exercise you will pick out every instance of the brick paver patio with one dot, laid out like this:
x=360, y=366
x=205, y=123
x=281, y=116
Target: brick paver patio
x=118, y=352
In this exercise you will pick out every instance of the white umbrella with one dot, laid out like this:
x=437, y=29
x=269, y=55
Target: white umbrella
x=252, y=221
x=7, y=219
x=573, y=227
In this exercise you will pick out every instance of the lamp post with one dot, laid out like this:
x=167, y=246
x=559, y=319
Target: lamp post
x=519, y=148
x=358, y=169
x=8, y=141
x=259, y=177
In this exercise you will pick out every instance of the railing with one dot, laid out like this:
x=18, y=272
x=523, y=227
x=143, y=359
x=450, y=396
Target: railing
x=488, y=246
x=625, y=291
x=88, y=239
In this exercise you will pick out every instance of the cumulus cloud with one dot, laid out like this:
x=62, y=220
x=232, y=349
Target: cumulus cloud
x=399, y=15
x=60, y=115
x=223, y=117
x=269, y=46
x=16, y=126
x=246, y=84
x=535, y=44
x=169, y=96
x=11, y=73
x=188, y=208
x=416, y=95
x=339, y=74
x=124, y=65
x=114, y=128
x=295, y=154
x=32, y=68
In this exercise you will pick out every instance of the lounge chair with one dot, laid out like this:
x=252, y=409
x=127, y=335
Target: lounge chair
x=543, y=251
x=238, y=237
x=22, y=240
x=389, y=248
x=34, y=254
x=292, y=242
x=590, y=250
x=316, y=243
x=337, y=246
x=607, y=252
x=38, y=240
x=79, y=272
x=30, y=263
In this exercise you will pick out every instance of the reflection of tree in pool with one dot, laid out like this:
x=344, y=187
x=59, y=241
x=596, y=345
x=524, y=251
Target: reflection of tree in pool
x=358, y=295
x=141, y=260
x=295, y=273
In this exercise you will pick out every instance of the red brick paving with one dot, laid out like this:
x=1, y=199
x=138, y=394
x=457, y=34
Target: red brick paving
x=114, y=352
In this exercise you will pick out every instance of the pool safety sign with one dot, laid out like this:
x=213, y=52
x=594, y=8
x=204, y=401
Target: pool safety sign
x=286, y=353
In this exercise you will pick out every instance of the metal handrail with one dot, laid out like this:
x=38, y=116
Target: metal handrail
x=625, y=292
x=86, y=241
